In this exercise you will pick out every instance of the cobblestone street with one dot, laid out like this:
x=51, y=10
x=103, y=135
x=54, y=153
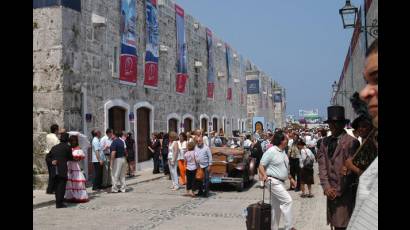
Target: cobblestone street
x=152, y=205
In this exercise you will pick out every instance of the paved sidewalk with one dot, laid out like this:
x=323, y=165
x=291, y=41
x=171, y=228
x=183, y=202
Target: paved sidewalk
x=154, y=206
x=41, y=199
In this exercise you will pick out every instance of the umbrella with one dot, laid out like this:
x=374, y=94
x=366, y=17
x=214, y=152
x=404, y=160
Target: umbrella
x=82, y=140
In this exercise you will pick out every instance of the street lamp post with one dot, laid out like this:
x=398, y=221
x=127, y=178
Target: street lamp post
x=334, y=88
x=349, y=14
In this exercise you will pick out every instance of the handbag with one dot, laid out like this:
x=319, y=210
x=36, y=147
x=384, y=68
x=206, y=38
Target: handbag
x=199, y=175
x=308, y=162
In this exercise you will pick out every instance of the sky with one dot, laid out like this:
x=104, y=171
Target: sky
x=300, y=43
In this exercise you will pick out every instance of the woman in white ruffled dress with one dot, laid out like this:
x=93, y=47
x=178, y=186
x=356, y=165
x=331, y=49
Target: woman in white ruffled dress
x=75, y=191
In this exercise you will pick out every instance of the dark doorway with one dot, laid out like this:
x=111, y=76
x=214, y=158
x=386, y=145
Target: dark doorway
x=173, y=125
x=204, y=124
x=116, y=118
x=187, y=124
x=143, y=133
x=215, y=124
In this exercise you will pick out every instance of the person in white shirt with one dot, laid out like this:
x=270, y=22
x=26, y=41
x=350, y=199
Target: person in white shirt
x=203, y=156
x=105, y=143
x=205, y=138
x=172, y=159
x=306, y=168
x=290, y=138
x=52, y=140
x=212, y=142
x=247, y=143
x=274, y=167
x=97, y=159
x=311, y=142
x=182, y=146
x=190, y=159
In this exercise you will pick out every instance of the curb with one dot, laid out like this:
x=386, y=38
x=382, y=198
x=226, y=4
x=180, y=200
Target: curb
x=52, y=202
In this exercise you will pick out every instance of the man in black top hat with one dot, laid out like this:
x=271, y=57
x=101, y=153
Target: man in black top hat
x=332, y=154
x=60, y=154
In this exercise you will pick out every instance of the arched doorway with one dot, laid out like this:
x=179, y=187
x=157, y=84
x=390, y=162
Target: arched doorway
x=187, y=124
x=215, y=124
x=173, y=125
x=143, y=133
x=116, y=118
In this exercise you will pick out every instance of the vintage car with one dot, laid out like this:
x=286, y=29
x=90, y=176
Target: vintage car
x=231, y=165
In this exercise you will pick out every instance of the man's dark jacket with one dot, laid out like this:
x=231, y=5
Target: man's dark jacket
x=62, y=153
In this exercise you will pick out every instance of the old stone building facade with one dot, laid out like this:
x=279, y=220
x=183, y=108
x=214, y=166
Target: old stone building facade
x=351, y=78
x=260, y=106
x=76, y=76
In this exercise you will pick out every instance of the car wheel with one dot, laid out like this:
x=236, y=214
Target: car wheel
x=240, y=187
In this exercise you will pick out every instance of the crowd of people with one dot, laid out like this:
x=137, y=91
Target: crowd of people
x=180, y=156
x=346, y=154
x=347, y=157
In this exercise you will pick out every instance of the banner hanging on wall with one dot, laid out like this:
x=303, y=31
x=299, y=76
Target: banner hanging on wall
x=277, y=97
x=182, y=72
x=228, y=71
x=152, y=45
x=128, y=56
x=211, y=67
x=252, y=86
x=243, y=79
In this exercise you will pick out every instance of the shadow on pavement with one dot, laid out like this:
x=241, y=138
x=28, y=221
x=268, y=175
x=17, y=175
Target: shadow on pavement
x=227, y=187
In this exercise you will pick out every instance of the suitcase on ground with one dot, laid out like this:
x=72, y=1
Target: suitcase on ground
x=259, y=214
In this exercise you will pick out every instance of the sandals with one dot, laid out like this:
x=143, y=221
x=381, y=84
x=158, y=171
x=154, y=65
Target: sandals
x=306, y=195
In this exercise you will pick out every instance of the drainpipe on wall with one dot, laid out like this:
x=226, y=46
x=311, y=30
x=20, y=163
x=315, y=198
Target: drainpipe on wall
x=85, y=130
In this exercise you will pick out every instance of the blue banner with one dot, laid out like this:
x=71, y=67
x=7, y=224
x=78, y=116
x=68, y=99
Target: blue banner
x=152, y=45
x=182, y=73
x=228, y=71
x=252, y=86
x=277, y=97
x=211, y=66
x=128, y=56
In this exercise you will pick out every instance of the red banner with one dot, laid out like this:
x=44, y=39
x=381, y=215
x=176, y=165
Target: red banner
x=181, y=81
x=128, y=68
x=151, y=74
x=179, y=10
x=182, y=63
x=211, y=87
x=152, y=44
x=229, y=96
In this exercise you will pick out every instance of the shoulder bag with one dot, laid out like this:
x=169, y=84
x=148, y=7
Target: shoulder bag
x=199, y=175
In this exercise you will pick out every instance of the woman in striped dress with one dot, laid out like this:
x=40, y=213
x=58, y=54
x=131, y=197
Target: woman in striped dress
x=75, y=191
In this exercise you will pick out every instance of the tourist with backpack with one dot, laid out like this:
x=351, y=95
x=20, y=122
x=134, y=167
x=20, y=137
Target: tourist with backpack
x=306, y=168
